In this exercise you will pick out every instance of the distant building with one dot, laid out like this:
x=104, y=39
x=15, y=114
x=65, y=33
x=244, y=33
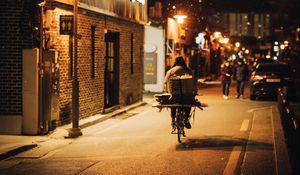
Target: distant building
x=37, y=94
x=243, y=24
x=154, y=49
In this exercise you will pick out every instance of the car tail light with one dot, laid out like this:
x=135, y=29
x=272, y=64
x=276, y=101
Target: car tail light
x=257, y=78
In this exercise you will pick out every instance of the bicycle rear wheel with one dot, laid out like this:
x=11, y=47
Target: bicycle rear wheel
x=179, y=134
x=180, y=126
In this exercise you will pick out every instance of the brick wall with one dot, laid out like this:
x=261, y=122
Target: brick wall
x=17, y=19
x=91, y=90
x=15, y=34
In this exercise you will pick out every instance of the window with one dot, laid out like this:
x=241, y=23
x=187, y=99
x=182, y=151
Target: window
x=93, y=29
x=131, y=54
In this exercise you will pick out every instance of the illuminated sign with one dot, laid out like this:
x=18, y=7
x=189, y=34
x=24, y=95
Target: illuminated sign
x=150, y=68
x=140, y=1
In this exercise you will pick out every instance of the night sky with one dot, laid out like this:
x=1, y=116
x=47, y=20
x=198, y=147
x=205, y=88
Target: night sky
x=291, y=7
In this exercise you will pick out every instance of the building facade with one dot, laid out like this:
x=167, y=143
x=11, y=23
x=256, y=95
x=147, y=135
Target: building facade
x=110, y=58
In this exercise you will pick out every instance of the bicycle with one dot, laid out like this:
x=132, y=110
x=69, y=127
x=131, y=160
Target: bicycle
x=178, y=124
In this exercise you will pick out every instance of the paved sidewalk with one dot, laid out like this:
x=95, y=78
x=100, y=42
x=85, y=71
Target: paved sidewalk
x=11, y=145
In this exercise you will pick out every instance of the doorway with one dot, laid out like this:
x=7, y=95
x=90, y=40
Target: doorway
x=111, y=80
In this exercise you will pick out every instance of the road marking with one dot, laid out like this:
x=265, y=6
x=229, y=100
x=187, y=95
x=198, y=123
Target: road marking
x=245, y=126
x=256, y=109
x=233, y=161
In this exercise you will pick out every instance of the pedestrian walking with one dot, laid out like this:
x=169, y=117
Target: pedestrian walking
x=240, y=74
x=226, y=74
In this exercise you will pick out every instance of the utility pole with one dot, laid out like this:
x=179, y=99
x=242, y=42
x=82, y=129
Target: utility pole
x=75, y=130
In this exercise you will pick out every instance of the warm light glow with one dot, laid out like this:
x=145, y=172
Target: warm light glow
x=247, y=51
x=268, y=56
x=282, y=46
x=286, y=43
x=180, y=18
x=224, y=40
x=140, y=1
x=217, y=35
x=276, y=42
x=233, y=57
x=237, y=44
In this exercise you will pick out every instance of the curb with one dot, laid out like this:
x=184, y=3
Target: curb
x=16, y=151
x=112, y=114
x=283, y=165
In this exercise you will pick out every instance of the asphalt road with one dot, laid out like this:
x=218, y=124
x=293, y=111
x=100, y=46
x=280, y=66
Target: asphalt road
x=229, y=137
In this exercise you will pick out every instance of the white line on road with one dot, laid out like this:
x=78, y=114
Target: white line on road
x=256, y=109
x=245, y=126
x=233, y=161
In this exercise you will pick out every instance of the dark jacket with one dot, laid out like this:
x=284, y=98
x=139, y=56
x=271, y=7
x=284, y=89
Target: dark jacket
x=176, y=71
x=226, y=73
x=241, y=72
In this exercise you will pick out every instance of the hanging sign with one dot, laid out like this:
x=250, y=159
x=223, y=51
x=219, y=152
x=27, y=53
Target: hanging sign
x=66, y=25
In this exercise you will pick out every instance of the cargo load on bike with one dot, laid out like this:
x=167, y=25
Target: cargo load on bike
x=180, y=99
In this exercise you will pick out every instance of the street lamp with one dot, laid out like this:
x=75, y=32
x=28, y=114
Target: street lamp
x=180, y=18
x=224, y=40
x=217, y=35
x=75, y=130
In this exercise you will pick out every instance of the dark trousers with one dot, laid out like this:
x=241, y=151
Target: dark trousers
x=186, y=110
x=240, y=87
x=225, y=87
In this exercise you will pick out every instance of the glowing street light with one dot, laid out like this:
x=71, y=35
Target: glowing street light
x=233, y=57
x=217, y=35
x=237, y=44
x=180, y=18
x=224, y=40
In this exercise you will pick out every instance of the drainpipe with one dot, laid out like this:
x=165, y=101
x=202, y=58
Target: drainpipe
x=41, y=120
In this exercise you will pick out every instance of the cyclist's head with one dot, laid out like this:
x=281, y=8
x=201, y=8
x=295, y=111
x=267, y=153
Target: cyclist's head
x=179, y=61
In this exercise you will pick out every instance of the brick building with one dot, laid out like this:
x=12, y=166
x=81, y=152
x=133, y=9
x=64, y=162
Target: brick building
x=110, y=59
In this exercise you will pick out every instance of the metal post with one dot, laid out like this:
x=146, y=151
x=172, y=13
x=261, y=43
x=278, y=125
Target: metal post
x=75, y=130
x=41, y=119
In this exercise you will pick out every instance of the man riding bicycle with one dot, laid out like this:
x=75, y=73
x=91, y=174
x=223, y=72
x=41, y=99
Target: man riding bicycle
x=178, y=69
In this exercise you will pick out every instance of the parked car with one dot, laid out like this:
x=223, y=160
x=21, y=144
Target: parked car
x=267, y=77
x=261, y=60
